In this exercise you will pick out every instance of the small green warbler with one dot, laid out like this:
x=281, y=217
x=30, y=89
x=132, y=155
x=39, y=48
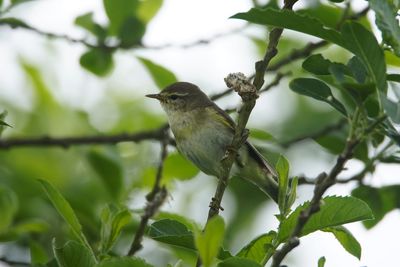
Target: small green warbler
x=203, y=131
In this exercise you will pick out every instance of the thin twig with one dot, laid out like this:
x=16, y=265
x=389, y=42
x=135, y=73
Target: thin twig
x=13, y=262
x=154, y=199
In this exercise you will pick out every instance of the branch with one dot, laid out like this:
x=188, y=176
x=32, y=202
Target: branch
x=154, y=199
x=13, y=262
x=323, y=182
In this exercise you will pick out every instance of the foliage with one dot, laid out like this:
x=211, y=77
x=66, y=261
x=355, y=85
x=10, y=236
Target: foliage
x=73, y=207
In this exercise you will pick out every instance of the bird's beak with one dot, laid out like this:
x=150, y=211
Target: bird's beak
x=156, y=96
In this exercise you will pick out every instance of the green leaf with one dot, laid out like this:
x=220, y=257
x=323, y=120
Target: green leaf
x=30, y=226
x=73, y=254
x=113, y=220
x=346, y=239
x=262, y=135
x=66, y=211
x=392, y=108
x=291, y=20
x=185, y=171
x=161, y=76
x=380, y=200
x=38, y=253
x=209, y=242
x=3, y=124
x=321, y=262
x=317, y=64
x=257, y=248
x=364, y=45
x=124, y=262
x=386, y=20
x=14, y=23
x=317, y=90
x=118, y=11
x=357, y=68
x=282, y=167
x=131, y=32
x=172, y=232
x=148, y=9
x=8, y=207
x=86, y=22
x=98, y=61
x=334, y=211
x=292, y=194
x=110, y=172
x=238, y=262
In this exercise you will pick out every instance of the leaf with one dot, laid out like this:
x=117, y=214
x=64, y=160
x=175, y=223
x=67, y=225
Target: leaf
x=380, y=200
x=386, y=20
x=282, y=167
x=210, y=240
x=30, y=226
x=98, y=61
x=14, y=23
x=118, y=11
x=3, y=124
x=257, y=248
x=317, y=90
x=316, y=64
x=185, y=171
x=110, y=172
x=291, y=20
x=38, y=253
x=124, y=262
x=86, y=22
x=346, y=239
x=161, y=76
x=172, y=232
x=291, y=198
x=148, y=9
x=131, y=32
x=113, y=220
x=73, y=254
x=334, y=211
x=364, y=45
x=238, y=262
x=262, y=135
x=66, y=211
x=321, y=262
x=392, y=108
x=357, y=68
x=8, y=207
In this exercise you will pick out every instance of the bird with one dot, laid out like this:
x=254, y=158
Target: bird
x=203, y=132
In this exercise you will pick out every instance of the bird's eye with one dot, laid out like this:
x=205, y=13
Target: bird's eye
x=173, y=97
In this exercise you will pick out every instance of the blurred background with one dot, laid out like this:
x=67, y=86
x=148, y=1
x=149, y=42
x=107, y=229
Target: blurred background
x=47, y=92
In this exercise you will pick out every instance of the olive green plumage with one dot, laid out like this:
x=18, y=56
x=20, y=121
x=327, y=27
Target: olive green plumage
x=203, y=131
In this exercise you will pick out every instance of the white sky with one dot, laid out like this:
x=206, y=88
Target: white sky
x=181, y=21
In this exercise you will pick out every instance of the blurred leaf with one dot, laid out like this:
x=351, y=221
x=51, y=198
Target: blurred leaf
x=29, y=226
x=391, y=58
x=172, y=232
x=161, y=76
x=98, y=61
x=329, y=15
x=317, y=65
x=386, y=20
x=185, y=171
x=66, y=211
x=131, y=32
x=381, y=201
x=334, y=211
x=346, y=239
x=113, y=220
x=38, y=253
x=210, y=240
x=3, y=124
x=291, y=198
x=321, y=262
x=73, y=254
x=364, y=45
x=282, y=167
x=257, y=248
x=317, y=90
x=262, y=135
x=291, y=20
x=148, y=9
x=13, y=22
x=391, y=159
x=124, y=262
x=8, y=207
x=357, y=68
x=118, y=11
x=391, y=131
x=110, y=172
x=392, y=108
x=238, y=262
x=86, y=22
x=162, y=215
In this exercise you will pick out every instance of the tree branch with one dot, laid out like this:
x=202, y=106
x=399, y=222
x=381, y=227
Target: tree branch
x=323, y=182
x=154, y=199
